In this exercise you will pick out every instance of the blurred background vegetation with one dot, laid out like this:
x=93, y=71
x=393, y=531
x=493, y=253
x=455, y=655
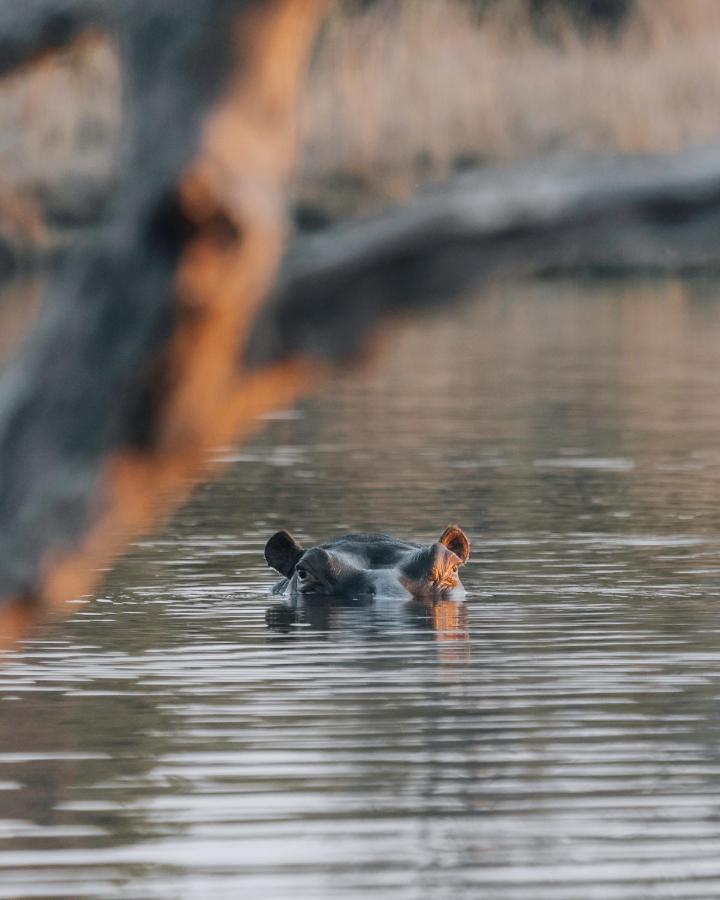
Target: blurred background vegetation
x=403, y=92
x=411, y=91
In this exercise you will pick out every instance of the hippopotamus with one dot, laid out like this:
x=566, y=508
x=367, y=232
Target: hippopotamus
x=361, y=566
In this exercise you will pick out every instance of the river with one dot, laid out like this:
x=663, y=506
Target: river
x=553, y=737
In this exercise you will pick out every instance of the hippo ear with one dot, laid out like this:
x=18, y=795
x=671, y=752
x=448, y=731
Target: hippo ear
x=282, y=552
x=432, y=568
x=454, y=539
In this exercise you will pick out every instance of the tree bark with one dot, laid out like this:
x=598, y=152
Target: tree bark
x=630, y=214
x=133, y=372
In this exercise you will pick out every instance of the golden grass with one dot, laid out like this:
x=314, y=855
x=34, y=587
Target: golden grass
x=405, y=90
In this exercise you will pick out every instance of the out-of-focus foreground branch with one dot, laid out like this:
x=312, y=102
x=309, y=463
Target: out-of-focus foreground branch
x=629, y=214
x=133, y=371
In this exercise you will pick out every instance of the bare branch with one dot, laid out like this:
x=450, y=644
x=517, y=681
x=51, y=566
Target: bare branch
x=654, y=213
x=132, y=373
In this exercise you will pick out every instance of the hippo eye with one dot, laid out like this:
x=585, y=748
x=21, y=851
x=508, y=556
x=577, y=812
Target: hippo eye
x=301, y=573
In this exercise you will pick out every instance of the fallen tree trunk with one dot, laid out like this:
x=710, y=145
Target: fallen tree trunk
x=628, y=214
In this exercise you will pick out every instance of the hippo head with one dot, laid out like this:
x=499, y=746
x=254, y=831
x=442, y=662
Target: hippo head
x=362, y=565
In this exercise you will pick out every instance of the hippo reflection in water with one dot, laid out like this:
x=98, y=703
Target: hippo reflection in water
x=362, y=566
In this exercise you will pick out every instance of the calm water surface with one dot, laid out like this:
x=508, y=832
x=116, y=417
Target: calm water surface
x=554, y=737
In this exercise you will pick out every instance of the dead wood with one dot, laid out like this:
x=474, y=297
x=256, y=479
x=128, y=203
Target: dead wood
x=132, y=373
x=622, y=214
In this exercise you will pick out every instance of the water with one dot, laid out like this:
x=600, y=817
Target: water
x=554, y=737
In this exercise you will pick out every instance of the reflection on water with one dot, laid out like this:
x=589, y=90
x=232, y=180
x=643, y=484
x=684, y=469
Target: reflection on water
x=447, y=618
x=556, y=736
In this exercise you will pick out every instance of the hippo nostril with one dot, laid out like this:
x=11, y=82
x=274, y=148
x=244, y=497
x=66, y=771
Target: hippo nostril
x=307, y=582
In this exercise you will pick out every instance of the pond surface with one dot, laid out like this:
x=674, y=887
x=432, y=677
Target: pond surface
x=556, y=736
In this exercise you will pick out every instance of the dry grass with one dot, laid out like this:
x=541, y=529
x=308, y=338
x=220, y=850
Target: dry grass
x=404, y=91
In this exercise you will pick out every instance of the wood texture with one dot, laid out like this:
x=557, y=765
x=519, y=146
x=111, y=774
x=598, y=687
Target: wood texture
x=134, y=372
x=621, y=214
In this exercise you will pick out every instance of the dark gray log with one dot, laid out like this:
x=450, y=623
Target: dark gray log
x=129, y=379
x=80, y=390
x=625, y=214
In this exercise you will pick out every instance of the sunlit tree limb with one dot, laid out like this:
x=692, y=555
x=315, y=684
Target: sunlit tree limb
x=624, y=214
x=133, y=372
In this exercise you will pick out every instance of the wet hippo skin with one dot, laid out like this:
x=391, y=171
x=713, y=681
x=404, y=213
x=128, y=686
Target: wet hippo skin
x=363, y=566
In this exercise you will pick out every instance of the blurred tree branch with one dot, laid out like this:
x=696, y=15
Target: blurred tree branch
x=655, y=213
x=132, y=373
